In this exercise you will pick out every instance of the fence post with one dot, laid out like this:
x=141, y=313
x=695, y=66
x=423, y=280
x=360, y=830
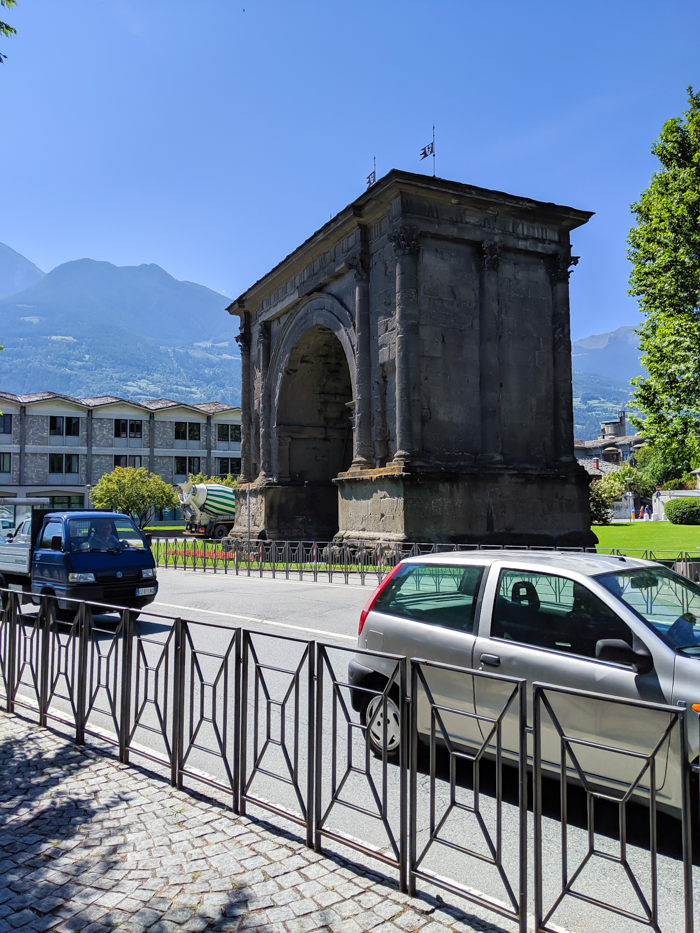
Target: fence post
x=12, y=629
x=81, y=694
x=45, y=629
x=243, y=719
x=686, y=820
x=311, y=748
x=413, y=788
x=537, y=801
x=522, y=805
x=237, y=706
x=404, y=763
x=318, y=770
x=127, y=627
x=178, y=701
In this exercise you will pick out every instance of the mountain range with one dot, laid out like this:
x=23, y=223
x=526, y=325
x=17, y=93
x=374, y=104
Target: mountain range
x=91, y=328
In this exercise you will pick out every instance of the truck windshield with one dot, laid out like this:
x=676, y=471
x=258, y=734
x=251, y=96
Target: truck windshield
x=666, y=601
x=104, y=534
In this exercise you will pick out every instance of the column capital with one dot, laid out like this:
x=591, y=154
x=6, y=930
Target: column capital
x=243, y=341
x=490, y=255
x=560, y=266
x=405, y=240
x=359, y=266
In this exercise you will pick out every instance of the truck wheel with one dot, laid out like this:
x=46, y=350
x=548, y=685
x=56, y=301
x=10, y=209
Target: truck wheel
x=220, y=531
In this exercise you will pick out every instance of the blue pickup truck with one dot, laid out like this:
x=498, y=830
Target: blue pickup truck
x=93, y=554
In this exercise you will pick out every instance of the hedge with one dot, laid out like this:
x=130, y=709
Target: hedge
x=684, y=511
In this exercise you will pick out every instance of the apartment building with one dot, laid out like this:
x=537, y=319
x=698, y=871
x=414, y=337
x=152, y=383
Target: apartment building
x=54, y=446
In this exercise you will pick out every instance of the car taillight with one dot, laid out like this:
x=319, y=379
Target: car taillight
x=373, y=598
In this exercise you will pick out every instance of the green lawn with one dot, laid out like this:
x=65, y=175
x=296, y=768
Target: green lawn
x=649, y=535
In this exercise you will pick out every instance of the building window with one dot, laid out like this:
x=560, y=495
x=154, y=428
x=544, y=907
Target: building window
x=5, y=463
x=66, y=502
x=72, y=427
x=229, y=432
x=180, y=430
x=55, y=426
x=123, y=460
x=226, y=465
x=124, y=428
x=194, y=431
x=5, y=424
x=64, y=463
x=185, y=465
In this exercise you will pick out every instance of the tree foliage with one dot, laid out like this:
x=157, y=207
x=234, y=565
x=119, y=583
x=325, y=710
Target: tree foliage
x=230, y=480
x=5, y=28
x=135, y=492
x=665, y=255
x=601, y=513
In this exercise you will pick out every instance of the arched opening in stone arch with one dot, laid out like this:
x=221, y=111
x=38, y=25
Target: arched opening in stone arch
x=314, y=423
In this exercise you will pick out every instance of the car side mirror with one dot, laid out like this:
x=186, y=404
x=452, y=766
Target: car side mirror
x=618, y=651
x=57, y=543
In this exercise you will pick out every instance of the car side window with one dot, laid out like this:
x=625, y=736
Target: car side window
x=549, y=611
x=50, y=530
x=432, y=593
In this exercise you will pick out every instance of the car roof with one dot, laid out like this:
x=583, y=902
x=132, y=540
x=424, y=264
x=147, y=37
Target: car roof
x=580, y=562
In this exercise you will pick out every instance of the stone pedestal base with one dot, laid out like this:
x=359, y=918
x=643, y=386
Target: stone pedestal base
x=494, y=505
x=286, y=513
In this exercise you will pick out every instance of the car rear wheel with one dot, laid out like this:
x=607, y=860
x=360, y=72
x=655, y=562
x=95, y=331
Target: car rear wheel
x=372, y=715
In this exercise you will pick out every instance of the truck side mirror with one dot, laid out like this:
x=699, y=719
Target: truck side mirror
x=618, y=651
x=57, y=543
x=148, y=538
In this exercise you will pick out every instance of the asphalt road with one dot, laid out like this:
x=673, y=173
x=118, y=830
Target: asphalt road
x=285, y=615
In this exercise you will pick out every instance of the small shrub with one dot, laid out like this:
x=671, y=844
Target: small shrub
x=683, y=511
x=687, y=481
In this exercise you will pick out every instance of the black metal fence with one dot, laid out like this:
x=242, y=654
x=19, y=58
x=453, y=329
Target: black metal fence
x=327, y=562
x=272, y=721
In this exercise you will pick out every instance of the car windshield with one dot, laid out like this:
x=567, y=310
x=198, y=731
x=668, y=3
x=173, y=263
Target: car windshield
x=665, y=600
x=104, y=534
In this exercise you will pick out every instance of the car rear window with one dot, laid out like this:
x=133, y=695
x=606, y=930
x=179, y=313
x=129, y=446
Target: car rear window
x=433, y=593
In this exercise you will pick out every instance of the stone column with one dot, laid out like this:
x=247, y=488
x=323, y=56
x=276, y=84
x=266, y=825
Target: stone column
x=489, y=356
x=243, y=341
x=406, y=245
x=22, y=444
x=562, y=409
x=88, y=456
x=210, y=444
x=264, y=348
x=362, y=435
x=152, y=442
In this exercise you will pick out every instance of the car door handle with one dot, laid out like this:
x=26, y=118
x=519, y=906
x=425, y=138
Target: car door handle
x=491, y=659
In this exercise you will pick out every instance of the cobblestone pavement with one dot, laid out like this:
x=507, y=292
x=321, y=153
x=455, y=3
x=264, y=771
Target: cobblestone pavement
x=89, y=845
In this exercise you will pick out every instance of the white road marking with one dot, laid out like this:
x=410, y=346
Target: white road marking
x=355, y=584
x=232, y=615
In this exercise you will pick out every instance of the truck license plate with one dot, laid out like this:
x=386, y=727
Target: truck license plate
x=145, y=590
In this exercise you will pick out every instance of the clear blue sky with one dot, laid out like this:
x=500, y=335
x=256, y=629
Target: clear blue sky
x=213, y=137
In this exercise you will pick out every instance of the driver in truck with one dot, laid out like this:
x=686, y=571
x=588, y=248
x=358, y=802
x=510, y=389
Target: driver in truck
x=102, y=536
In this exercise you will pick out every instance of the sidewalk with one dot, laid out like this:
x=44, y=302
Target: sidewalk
x=89, y=845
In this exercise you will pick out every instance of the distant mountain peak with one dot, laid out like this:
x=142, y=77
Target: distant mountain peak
x=16, y=272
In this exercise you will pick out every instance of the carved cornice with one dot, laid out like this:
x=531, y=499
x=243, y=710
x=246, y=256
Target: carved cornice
x=405, y=240
x=560, y=266
x=490, y=255
x=359, y=266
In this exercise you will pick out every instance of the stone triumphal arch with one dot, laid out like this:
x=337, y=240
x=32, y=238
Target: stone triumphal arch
x=406, y=374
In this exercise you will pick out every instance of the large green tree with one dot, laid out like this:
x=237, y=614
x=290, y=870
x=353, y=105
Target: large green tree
x=5, y=28
x=138, y=493
x=665, y=255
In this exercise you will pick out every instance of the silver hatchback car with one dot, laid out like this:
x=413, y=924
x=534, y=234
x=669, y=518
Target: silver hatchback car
x=610, y=625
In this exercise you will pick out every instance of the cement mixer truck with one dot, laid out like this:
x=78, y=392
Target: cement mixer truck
x=209, y=509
